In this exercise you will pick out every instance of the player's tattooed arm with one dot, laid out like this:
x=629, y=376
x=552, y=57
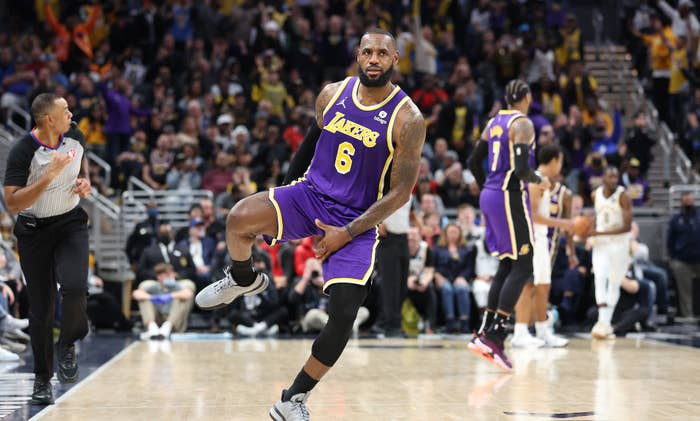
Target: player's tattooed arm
x=323, y=99
x=522, y=133
x=410, y=136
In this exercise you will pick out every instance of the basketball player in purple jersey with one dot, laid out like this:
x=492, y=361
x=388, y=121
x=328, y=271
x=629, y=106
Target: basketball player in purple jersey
x=509, y=142
x=366, y=125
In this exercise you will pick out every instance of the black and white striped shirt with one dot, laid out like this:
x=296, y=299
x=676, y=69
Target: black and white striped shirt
x=28, y=161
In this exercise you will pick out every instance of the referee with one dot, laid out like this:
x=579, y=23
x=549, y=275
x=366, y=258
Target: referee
x=46, y=176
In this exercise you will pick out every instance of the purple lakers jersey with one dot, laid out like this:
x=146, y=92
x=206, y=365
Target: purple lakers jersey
x=354, y=150
x=501, y=156
x=556, y=210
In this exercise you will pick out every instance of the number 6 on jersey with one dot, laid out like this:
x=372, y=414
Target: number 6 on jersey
x=343, y=160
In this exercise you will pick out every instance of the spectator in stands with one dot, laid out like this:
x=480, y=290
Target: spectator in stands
x=429, y=95
x=421, y=290
x=103, y=309
x=678, y=87
x=263, y=313
x=201, y=248
x=571, y=49
x=218, y=178
x=193, y=214
x=73, y=31
x=119, y=111
x=637, y=187
x=458, y=187
x=166, y=301
x=144, y=234
x=592, y=175
x=578, y=87
x=605, y=142
x=165, y=251
x=639, y=142
x=660, y=44
x=215, y=224
x=455, y=121
x=454, y=266
x=183, y=175
x=683, y=21
x=92, y=127
x=647, y=271
x=692, y=144
x=307, y=295
x=683, y=242
x=160, y=160
x=15, y=80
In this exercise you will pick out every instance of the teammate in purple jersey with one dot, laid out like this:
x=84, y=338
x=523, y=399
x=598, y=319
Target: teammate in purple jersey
x=508, y=141
x=366, y=126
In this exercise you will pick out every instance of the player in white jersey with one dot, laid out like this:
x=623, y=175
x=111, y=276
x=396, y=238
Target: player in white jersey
x=611, y=247
x=551, y=210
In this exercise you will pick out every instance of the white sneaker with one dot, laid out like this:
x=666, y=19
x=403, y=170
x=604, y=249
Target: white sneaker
x=545, y=331
x=272, y=330
x=16, y=334
x=362, y=316
x=553, y=341
x=6, y=355
x=12, y=346
x=10, y=323
x=224, y=291
x=246, y=331
x=526, y=340
x=292, y=410
x=165, y=329
x=151, y=333
x=602, y=331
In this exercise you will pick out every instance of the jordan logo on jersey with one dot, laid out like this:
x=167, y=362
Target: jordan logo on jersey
x=342, y=102
x=352, y=129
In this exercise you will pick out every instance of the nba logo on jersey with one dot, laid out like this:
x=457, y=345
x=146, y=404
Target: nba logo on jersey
x=72, y=152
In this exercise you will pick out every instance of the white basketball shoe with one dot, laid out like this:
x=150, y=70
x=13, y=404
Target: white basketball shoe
x=224, y=291
x=292, y=410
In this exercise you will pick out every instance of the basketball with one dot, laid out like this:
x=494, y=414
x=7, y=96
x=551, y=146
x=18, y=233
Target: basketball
x=581, y=225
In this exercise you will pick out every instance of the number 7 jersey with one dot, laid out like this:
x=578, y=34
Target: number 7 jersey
x=501, y=155
x=354, y=150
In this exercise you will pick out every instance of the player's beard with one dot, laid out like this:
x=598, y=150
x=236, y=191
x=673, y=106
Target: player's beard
x=382, y=80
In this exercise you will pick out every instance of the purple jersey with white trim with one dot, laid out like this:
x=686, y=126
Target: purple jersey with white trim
x=354, y=149
x=501, y=163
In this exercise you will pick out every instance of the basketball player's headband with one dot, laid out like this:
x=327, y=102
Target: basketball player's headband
x=521, y=89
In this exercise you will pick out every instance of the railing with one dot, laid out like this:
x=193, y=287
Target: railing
x=93, y=157
x=172, y=205
x=16, y=111
x=675, y=193
x=135, y=182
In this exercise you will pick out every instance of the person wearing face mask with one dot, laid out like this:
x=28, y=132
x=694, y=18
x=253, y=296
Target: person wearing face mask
x=683, y=244
x=201, y=248
x=165, y=251
x=167, y=300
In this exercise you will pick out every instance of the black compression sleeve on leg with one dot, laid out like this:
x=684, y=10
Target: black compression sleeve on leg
x=499, y=278
x=519, y=275
x=345, y=300
x=302, y=157
x=522, y=164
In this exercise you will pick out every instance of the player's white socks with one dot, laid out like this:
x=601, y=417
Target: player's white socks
x=521, y=329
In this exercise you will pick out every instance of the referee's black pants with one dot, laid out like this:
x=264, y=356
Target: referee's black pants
x=392, y=268
x=54, y=250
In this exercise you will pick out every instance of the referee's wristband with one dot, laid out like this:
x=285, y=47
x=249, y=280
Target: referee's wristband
x=347, y=229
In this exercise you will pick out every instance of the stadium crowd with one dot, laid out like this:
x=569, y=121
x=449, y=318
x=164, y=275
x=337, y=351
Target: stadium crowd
x=218, y=95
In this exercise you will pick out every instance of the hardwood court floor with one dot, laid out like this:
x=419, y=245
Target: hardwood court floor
x=391, y=380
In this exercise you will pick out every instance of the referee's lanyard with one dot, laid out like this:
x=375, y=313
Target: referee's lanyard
x=165, y=251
